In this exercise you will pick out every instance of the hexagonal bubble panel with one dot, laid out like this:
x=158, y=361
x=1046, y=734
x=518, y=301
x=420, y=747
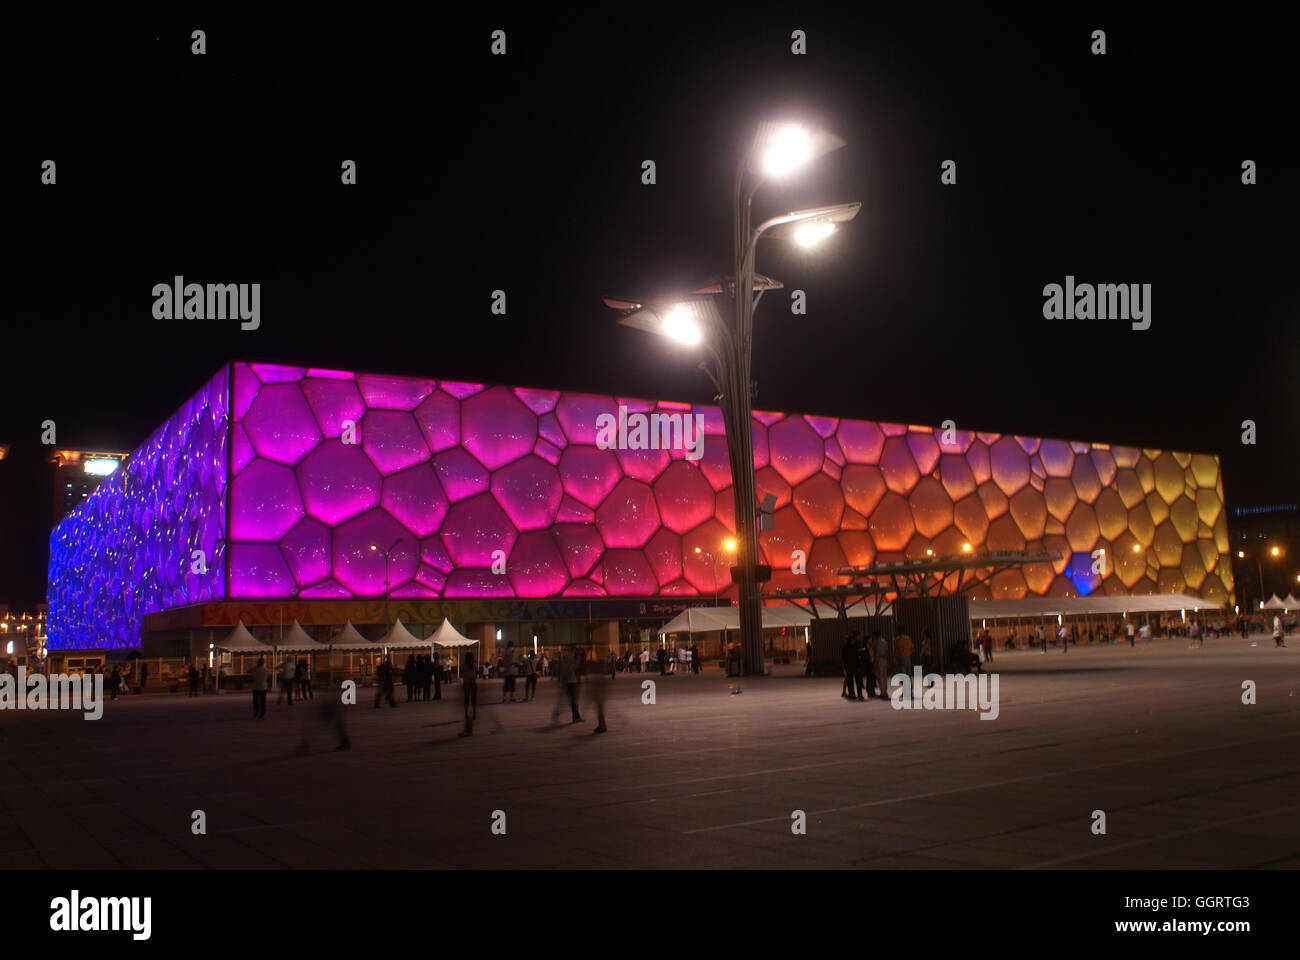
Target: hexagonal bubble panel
x=589, y=473
x=359, y=548
x=1010, y=465
x=462, y=476
x=536, y=568
x=470, y=582
x=684, y=496
x=795, y=449
x=338, y=482
x=439, y=419
x=259, y=570
x=393, y=393
x=307, y=549
x=891, y=523
x=629, y=516
x=860, y=440
x=281, y=425
x=578, y=415
x=1061, y=497
x=416, y=499
x=393, y=440
x=643, y=465
x=898, y=467
x=1029, y=511
x=529, y=490
x=628, y=574
x=336, y=404
x=475, y=529
x=497, y=427
x=924, y=449
x=265, y=504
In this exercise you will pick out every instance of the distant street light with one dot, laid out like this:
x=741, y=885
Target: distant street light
x=778, y=150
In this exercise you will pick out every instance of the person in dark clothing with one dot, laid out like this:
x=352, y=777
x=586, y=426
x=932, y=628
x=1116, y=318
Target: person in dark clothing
x=114, y=682
x=469, y=683
x=437, y=677
x=663, y=662
x=194, y=680
x=387, y=677
x=408, y=677
x=866, y=670
x=144, y=676
x=695, y=659
x=852, y=677
x=304, y=680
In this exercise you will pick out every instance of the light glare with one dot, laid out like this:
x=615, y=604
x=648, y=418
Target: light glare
x=790, y=148
x=681, y=326
x=811, y=234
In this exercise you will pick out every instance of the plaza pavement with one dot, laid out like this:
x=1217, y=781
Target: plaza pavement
x=1156, y=737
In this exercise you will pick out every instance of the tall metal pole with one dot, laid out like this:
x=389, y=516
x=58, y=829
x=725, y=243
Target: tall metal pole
x=737, y=413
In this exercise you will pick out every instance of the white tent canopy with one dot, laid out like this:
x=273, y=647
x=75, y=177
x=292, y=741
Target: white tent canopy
x=351, y=639
x=447, y=636
x=1093, y=605
x=240, y=640
x=297, y=640
x=399, y=637
x=1274, y=603
x=710, y=619
x=1291, y=602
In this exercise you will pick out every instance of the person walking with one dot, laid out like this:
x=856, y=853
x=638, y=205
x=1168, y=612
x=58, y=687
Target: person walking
x=261, y=683
x=570, y=680
x=1042, y=639
x=1279, y=634
x=1064, y=637
x=387, y=680
x=611, y=665
x=193, y=675
x=1132, y=638
x=866, y=676
x=695, y=659
x=469, y=683
x=986, y=641
x=144, y=676
x=286, y=680
x=114, y=682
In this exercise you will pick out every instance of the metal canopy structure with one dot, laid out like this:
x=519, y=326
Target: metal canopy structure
x=880, y=584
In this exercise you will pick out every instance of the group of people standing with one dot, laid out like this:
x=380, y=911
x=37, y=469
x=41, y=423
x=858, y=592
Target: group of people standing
x=422, y=677
x=866, y=662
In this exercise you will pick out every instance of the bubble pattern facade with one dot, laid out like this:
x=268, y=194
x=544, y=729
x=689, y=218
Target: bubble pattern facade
x=473, y=478
x=129, y=548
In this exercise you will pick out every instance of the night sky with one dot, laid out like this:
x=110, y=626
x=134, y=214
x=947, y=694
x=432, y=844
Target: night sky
x=523, y=173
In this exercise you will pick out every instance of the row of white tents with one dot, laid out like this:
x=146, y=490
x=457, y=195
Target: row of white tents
x=711, y=619
x=1288, y=603
x=298, y=640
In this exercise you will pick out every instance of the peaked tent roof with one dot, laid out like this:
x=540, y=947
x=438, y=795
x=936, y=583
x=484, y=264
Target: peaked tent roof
x=447, y=636
x=1093, y=604
x=351, y=639
x=298, y=640
x=240, y=640
x=709, y=619
x=1291, y=602
x=1274, y=603
x=399, y=637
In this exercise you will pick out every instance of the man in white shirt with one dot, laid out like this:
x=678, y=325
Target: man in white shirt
x=1128, y=628
x=1278, y=633
x=1064, y=638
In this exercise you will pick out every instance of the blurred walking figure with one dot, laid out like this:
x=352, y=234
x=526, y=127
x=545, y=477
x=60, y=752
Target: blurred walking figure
x=328, y=715
x=1279, y=635
x=261, y=681
x=1128, y=628
x=880, y=648
x=469, y=682
x=194, y=680
x=925, y=650
x=287, y=671
x=852, y=689
x=1064, y=638
x=986, y=642
x=387, y=679
x=695, y=659
x=598, y=692
x=611, y=665
x=569, y=683
x=303, y=676
x=530, y=676
x=1042, y=640
x=510, y=669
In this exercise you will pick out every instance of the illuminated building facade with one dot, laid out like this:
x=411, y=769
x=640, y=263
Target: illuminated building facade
x=278, y=483
x=77, y=473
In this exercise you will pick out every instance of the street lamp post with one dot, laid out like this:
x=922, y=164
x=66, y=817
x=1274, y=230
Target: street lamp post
x=778, y=149
x=387, y=584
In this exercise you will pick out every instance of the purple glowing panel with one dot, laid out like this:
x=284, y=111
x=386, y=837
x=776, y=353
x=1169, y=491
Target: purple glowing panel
x=149, y=537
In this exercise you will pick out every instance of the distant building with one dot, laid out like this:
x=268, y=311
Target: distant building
x=77, y=473
x=1256, y=532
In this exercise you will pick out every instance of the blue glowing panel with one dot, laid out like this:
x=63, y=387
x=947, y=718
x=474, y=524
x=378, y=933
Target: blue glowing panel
x=150, y=537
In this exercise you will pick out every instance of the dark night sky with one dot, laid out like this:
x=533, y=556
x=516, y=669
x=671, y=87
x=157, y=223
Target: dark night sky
x=523, y=173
